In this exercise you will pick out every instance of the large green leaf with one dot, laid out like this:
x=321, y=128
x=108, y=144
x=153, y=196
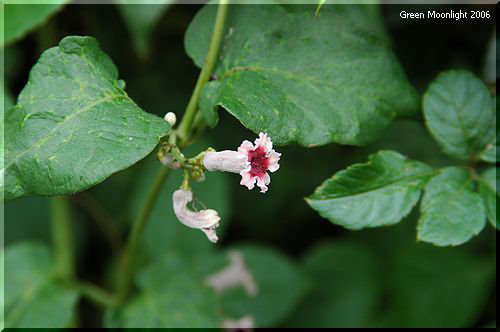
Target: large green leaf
x=302, y=79
x=33, y=296
x=380, y=192
x=20, y=17
x=437, y=287
x=488, y=184
x=451, y=212
x=171, y=296
x=460, y=114
x=140, y=17
x=73, y=124
x=280, y=286
x=346, y=286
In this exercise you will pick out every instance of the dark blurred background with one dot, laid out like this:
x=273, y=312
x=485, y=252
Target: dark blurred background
x=381, y=277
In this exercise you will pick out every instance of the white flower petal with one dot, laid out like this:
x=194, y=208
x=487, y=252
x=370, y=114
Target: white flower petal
x=211, y=234
x=264, y=142
x=245, y=147
x=263, y=182
x=274, y=157
x=247, y=180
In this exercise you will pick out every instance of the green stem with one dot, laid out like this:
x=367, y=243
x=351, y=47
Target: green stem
x=184, y=132
x=206, y=71
x=95, y=294
x=61, y=236
x=127, y=262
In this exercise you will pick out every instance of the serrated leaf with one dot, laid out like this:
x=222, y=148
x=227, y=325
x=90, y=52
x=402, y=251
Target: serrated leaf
x=73, y=124
x=451, y=212
x=377, y=193
x=170, y=298
x=280, y=286
x=490, y=151
x=346, y=286
x=141, y=17
x=439, y=288
x=20, y=18
x=459, y=112
x=302, y=79
x=488, y=184
x=33, y=296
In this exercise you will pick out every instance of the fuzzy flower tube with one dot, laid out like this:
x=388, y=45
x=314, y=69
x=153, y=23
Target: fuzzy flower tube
x=205, y=220
x=251, y=161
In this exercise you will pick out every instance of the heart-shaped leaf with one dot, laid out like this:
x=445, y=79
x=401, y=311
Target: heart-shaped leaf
x=73, y=124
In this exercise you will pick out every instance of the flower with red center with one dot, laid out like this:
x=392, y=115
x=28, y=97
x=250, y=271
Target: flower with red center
x=251, y=162
x=260, y=159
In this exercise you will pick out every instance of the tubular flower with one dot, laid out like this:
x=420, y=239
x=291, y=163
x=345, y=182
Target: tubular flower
x=205, y=220
x=251, y=161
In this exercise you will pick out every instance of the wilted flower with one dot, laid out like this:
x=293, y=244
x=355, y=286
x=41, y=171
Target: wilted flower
x=251, y=162
x=205, y=220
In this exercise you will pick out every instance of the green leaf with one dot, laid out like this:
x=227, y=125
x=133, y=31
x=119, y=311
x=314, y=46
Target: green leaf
x=302, y=79
x=488, y=184
x=490, y=152
x=33, y=296
x=74, y=125
x=436, y=287
x=459, y=112
x=172, y=296
x=451, y=212
x=280, y=286
x=20, y=18
x=378, y=193
x=140, y=17
x=346, y=286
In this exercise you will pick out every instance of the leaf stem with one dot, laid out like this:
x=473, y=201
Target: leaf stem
x=206, y=71
x=127, y=263
x=95, y=294
x=62, y=237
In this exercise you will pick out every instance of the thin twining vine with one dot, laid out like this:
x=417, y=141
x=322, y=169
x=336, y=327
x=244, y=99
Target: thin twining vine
x=178, y=138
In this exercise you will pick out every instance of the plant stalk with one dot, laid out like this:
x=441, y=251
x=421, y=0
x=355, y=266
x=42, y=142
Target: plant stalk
x=192, y=107
x=95, y=294
x=62, y=237
x=127, y=263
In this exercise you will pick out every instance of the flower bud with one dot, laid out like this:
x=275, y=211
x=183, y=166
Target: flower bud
x=170, y=118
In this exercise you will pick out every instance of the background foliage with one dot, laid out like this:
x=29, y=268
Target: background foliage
x=311, y=273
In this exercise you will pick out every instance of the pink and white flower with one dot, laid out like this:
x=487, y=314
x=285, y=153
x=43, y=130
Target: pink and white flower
x=251, y=161
x=260, y=159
